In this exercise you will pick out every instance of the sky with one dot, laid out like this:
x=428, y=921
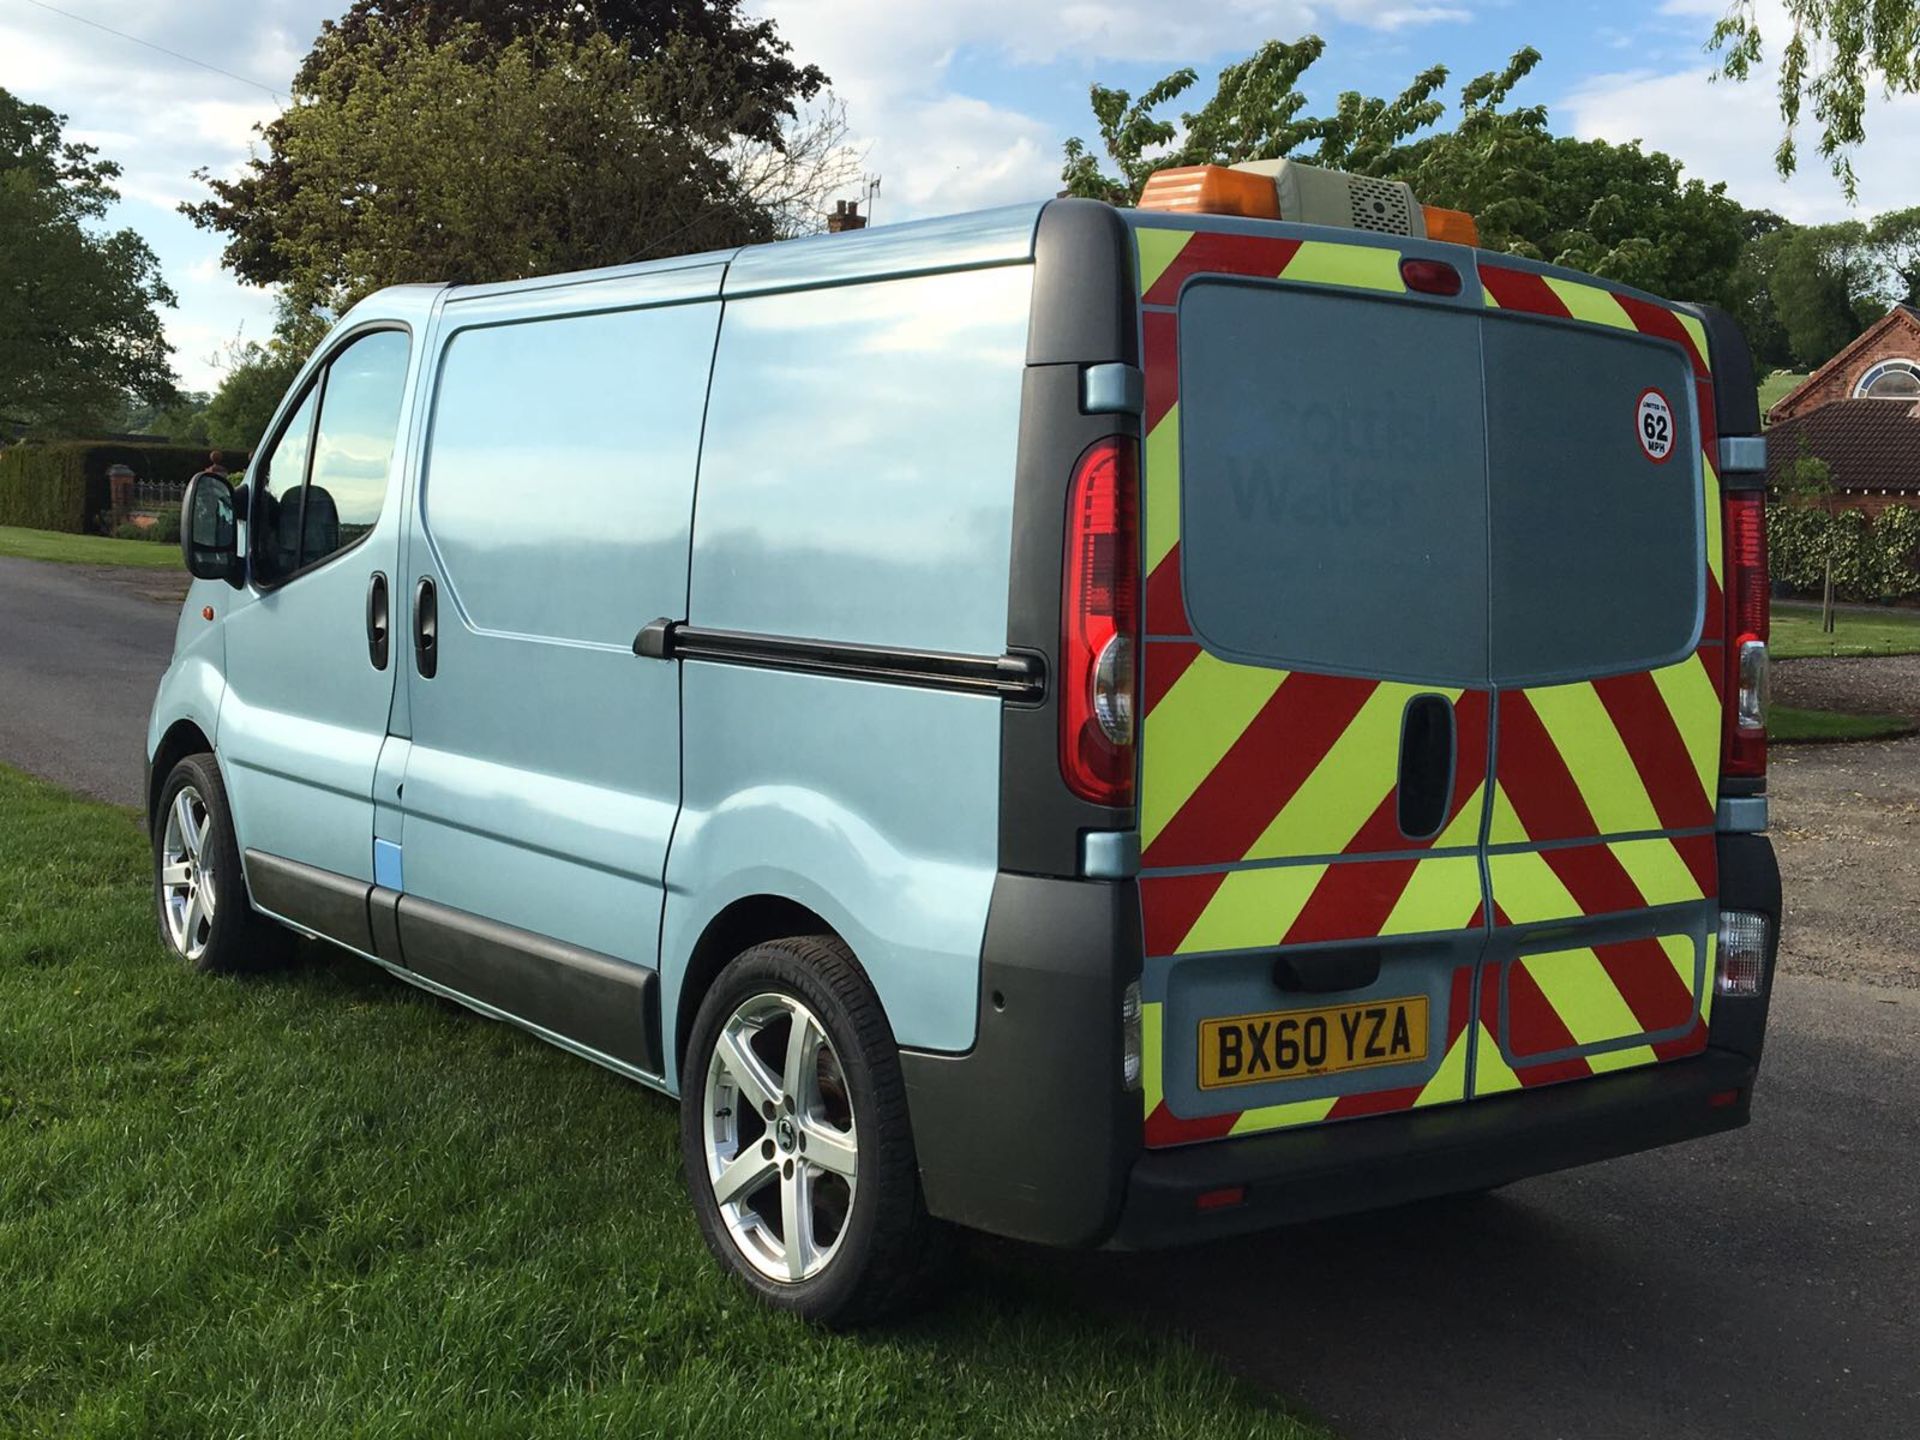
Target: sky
x=958, y=104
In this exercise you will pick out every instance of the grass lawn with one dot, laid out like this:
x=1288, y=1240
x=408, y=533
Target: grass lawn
x=1774, y=388
x=1788, y=724
x=1796, y=631
x=87, y=549
x=323, y=1204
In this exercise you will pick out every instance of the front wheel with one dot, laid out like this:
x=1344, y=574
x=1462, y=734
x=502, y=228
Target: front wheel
x=200, y=894
x=795, y=1137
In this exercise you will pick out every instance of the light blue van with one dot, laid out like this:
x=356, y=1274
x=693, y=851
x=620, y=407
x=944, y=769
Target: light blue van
x=727, y=669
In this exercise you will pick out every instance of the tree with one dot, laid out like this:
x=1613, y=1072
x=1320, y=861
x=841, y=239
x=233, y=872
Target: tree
x=1808, y=485
x=1822, y=286
x=78, y=308
x=1832, y=47
x=237, y=415
x=1612, y=210
x=1894, y=239
x=521, y=107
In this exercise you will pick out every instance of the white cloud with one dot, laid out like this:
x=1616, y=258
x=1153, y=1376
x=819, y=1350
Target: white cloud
x=1721, y=130
x=160, y=118
x=939, y=150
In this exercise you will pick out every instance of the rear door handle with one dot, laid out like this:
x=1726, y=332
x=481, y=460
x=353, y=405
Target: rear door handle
x=377, y=619
x=1427, y=744
x=426, y=628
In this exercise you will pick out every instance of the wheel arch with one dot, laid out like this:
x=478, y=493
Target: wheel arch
x=738, y=926
x=183, y=738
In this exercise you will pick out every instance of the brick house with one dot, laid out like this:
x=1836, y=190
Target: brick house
x=1859, y=412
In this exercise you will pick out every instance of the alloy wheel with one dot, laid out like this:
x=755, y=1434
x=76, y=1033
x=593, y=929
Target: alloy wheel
x=781, y=1149
x=187, y=895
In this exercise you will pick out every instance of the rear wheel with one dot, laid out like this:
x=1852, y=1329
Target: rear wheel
x=795, y=1137
x=200, y=893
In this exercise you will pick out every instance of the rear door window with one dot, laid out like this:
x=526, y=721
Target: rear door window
x=1596, y=495
x=1333, y=482
x=1421, y=493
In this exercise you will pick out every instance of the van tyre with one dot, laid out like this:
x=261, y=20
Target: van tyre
x=793, y=1121
x=199, y=889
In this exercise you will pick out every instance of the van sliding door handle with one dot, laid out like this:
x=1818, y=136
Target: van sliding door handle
x=426, y=628
x=377, y=620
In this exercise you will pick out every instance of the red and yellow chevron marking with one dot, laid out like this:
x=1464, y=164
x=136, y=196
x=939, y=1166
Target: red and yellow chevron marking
x=1574, y=1013
x=1571, y=882
x=1447, y=1083
x=1245, y=763
x=1606, y=757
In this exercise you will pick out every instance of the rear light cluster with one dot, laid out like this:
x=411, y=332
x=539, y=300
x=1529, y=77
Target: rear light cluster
x=1741, y=964
x=1745, y=754
x=1100, y=606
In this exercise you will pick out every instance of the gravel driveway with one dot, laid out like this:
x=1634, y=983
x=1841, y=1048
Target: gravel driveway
x=1876, y=685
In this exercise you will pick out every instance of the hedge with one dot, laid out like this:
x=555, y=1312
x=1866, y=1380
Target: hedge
x=63, y=486
x=1874, y=561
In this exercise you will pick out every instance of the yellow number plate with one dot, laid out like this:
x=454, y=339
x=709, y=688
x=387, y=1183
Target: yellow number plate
x=1292, y=1044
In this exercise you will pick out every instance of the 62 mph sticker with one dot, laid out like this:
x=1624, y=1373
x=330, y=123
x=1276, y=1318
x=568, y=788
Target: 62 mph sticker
x=1653, y=424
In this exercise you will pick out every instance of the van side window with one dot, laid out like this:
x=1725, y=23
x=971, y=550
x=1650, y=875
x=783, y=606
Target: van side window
x=322, y=486
x=281, y=479
x=359, y=419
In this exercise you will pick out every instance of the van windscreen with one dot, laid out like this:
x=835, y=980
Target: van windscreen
x=1424, y=493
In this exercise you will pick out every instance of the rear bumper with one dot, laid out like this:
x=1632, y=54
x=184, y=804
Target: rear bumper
x=1030, y=1134
x=1391, y=1159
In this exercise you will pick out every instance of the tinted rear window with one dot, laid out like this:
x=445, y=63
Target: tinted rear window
x=1596, y=546
x=1333, y=482
x=1421, y=493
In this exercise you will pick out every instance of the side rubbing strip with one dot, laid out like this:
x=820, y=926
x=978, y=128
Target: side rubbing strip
x=594, y=1000
x=327, y=904
x=1016, y=677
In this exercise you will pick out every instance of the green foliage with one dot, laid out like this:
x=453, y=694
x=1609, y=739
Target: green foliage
x=1873, y=561
x=1611, y=210
x=78, y=308
x=1821, y=285
x=63, y=485
x=1832, y=48
x=44, y=487
x=237, y=416
x=420, y=148
x=1894, y=239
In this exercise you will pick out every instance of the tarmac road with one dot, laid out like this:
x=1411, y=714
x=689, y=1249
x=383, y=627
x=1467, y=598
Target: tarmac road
x=1764, y=1283
x=1759, y=1284
x=81, y=651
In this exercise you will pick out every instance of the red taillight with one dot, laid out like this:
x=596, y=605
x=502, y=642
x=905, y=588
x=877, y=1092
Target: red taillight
x=1745, y=752
x=1100, y=607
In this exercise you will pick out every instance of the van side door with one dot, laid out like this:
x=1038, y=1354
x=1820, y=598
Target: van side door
x=543, y=776
x=307, y=700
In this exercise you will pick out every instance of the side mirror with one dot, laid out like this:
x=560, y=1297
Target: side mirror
x=209, y=536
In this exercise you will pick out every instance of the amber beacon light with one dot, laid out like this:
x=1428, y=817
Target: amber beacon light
x=1308, y=194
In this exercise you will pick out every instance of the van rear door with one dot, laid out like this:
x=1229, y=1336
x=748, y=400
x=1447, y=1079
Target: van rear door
x=1607, y=628
x=1431, y=713
x=1315, y=743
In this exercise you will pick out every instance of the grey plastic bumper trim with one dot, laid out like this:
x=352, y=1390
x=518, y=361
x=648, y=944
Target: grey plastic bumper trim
x=1743, y=455
x=1742, y=815
x=1112, y=389
x=1110, y=854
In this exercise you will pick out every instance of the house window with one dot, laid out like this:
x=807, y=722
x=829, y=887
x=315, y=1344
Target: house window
x=1890, y=380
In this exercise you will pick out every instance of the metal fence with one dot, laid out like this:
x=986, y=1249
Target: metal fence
x=151, y=494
